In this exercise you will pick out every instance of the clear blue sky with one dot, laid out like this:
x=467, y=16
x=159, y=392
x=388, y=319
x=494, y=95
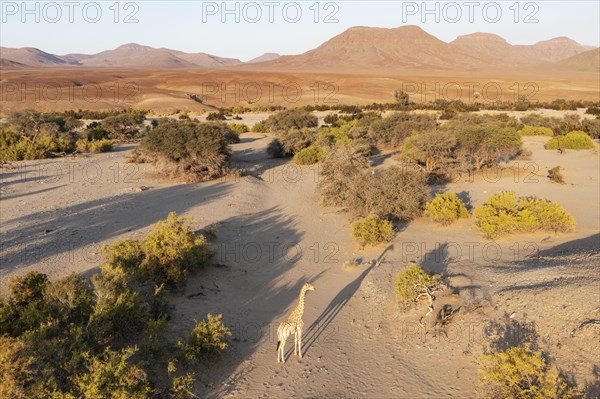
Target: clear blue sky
x=196, y=26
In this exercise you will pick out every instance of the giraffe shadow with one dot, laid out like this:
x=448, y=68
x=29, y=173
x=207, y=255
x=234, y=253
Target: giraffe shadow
x=320, y=327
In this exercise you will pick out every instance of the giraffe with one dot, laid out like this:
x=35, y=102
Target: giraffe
x=293, y=325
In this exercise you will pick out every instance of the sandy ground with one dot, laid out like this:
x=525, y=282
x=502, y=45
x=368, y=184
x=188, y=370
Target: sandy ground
x=273, y=236
x=165, y=91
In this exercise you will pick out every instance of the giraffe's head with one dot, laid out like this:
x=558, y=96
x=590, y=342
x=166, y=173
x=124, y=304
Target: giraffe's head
x=309, y=287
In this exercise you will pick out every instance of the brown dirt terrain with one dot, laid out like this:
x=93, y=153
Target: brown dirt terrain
x=167, y=90
x=273, y=236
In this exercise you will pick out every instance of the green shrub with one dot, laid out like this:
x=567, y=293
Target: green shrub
x=14, y=147
x=260, y=127
x=27, y=288
x=487, y=144
x=372, y=230
x=446, y=208
x=84, y=145
x=503, y=214
x=125, y=125
x=197, y=151
x=206, y=339
x=536, y=131
x=413, y=282
x=70, y=299
x=171, y=250
x=576, y=140
x=522, y=373
x=309, y=156
x=15, y=368
x=555, y=175
x=112, y=376
x=291, y=119
x=239, y=128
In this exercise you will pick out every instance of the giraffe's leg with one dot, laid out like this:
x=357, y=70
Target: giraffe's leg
x=295, y=344
x=300, y=343
x=282, y=351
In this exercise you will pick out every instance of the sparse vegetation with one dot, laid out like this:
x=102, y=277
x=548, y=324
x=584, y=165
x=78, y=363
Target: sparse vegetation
x=555, y=176
x=392, y=130
x=522, y=373
x=576, y=140
x=536, y=131
x=434, y=151
x=504, y=213
x=239, y=128
x=446, y=208
x=85, y=145
x=372, y=230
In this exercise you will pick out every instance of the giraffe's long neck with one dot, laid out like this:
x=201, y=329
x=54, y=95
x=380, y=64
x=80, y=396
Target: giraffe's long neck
x=300, y=307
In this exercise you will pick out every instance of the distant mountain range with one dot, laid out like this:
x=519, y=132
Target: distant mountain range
x=358, y=49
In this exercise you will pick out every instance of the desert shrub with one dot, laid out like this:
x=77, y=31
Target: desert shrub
x=260, y=127
x=275, y=149
x=538, y=120
x=206, y=339
x=522, y=373
x=111, y=375
x=289, y=119
x=198, y=151
x=119, y=312
x=591, y=127
x=309, y=156
x=487, y=144
x=27, y=288
x=216, y=116
x=166, y=255
x=171, y=250
x=15, y=368
x=413, y=282
x=503, y=213
x=392, y=130
x=70, y=299
x=372, y=230
x=434, y=150
x=181, y=385
x=14, y=147
x=124, y=125
x=84, y=145
x=342, y=172
x=576, y=140
x=555, y=175
x=331, y=118
x=395, y=194
x=239, y=128
x=536, y=131
x=96, y=133
x=446, y=208
x=294, y=141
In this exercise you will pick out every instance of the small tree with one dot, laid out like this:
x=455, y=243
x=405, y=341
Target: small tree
x=402, y=98
x=414, y=283
x=434, y=150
